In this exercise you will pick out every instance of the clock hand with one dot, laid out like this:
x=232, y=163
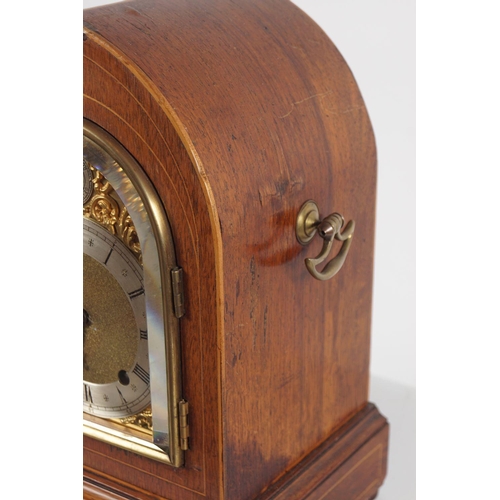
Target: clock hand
x=86, y=319
x=124, y=401
x=86, y=323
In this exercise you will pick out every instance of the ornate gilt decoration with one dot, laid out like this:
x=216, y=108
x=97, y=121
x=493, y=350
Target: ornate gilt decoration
x=106, y=208
x=142, y=420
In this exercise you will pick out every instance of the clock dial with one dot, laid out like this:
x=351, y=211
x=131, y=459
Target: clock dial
x=115, y=355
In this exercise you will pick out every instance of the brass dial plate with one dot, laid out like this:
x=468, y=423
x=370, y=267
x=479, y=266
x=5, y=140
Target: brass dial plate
x=110, y=332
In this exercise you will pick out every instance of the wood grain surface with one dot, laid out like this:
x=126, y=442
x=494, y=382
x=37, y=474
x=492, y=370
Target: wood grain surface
x=350, y=464
x=239, y=112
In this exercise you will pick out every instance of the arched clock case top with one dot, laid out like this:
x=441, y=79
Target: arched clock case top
x=237, y=113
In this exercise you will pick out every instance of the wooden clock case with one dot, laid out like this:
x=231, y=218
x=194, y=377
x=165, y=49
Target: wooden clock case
x=239, y=112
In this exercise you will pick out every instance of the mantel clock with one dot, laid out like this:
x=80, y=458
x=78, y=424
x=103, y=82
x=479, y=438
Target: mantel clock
x=229, y=172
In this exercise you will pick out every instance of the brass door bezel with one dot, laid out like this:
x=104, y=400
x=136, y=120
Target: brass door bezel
x=110, y=431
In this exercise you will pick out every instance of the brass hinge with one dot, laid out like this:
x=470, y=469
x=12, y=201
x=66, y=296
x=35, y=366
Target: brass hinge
x=178, y=292
x=183, y=424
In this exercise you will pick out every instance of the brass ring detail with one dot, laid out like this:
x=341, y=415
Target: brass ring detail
x=308, y=224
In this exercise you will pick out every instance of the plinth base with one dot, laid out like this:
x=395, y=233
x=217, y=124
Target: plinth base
x=350, y=465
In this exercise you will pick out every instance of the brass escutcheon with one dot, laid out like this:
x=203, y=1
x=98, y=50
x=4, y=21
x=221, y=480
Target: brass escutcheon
x=309, y=223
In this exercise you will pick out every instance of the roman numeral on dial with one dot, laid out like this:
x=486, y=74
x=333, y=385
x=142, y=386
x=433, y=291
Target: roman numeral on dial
x=136, y=293
x=87, y=394
x=109, y=255
x=141, y=373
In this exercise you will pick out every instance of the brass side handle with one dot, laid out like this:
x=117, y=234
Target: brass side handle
x=309, y=223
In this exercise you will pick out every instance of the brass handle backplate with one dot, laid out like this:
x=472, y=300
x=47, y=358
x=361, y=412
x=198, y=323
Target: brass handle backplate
x=309, y=223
